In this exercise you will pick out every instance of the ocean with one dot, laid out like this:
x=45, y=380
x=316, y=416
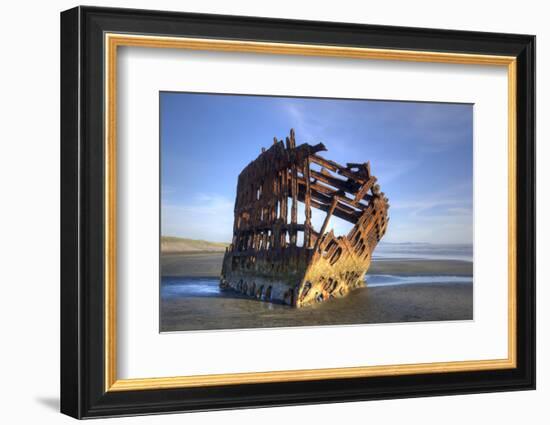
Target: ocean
x=423, y=251
x=180, y=286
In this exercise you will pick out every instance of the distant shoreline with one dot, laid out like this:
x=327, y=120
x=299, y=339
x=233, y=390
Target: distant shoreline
x=208, y=264
x=177, y=245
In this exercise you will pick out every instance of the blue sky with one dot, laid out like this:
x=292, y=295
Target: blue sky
x=421, y=154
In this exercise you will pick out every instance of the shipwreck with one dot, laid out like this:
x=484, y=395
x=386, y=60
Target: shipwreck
x=274, y=257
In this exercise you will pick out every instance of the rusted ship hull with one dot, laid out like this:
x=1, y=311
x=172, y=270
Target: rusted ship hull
x=275, y=258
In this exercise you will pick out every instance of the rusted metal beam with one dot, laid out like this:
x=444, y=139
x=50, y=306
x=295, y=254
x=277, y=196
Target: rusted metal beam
x=345, y=185
x=264, y=260
x=332, y=192
x=325, y=222
x=307, y=202
x=337, y=168
x=326, y=200
x=293, y=187
x=363, y=191
x=338, y=212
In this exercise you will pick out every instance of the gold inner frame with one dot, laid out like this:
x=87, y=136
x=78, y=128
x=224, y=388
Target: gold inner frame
x=113, y=41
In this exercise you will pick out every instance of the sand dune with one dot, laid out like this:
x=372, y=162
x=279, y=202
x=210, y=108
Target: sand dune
x=173, y=245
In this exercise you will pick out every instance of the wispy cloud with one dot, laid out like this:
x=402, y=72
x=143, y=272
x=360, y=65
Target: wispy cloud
x=418, y=151
x=414, y=208
x=392, y=169
x=433, y=217
x=441, y=128
x=205, y=216
x=433, y=229
x=307, y=125
x=452, y=199
x=167, y=190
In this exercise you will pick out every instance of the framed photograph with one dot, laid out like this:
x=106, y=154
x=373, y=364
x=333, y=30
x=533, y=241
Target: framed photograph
x=261, y=212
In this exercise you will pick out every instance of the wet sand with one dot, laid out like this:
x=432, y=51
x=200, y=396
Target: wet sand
x=378, y=304
x=209, y=264
x=192, y=264
x=385, y=304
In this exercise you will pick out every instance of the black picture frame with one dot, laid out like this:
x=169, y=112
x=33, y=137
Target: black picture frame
x=83, y=392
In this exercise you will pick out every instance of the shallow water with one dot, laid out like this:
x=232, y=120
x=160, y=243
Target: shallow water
x=209, y=287
x=376, y=280
x=408, y=283
x=201, y=306
x=190, y=287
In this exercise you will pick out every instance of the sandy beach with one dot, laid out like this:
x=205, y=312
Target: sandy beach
x=391, y=304
x=199, y=264
x=209, y=264
x=191, y=300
